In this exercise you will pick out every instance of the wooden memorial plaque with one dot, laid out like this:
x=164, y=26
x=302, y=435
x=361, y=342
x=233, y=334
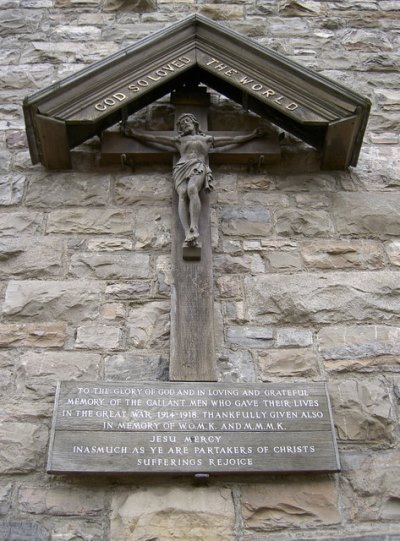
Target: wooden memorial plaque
x=136, y=427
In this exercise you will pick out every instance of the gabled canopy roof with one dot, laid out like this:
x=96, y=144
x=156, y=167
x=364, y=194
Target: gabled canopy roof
x=323, y=113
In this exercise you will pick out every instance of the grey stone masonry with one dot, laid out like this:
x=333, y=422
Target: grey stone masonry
x=306, y=267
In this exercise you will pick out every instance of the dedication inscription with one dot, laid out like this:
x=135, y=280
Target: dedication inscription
x=191, y=428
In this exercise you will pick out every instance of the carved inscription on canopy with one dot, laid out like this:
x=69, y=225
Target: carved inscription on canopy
x=169, y=69
x=191, y=428
x=144, y=81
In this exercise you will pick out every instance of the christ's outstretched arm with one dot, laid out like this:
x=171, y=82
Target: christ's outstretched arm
x=223, y=140
x=148, y=137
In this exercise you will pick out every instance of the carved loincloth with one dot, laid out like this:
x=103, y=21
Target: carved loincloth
x=183, y=171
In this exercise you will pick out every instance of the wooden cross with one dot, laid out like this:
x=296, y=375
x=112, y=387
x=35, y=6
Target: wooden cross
x=192, y=349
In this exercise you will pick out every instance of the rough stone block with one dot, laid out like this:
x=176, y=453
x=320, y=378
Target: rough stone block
x=19, y=257
x=24, y=77
x=322, y=298
x=312, y=182
x=296, y=502
x=255, y=182
x=308, y=223
x=166, y=513
x=388, y=98
x=63, y=501
x=366, y=40
x=382, y=364
x=22, y=446
x=293, y=337
x=5, y=161
x=7, y=368
x=301, y=8
x=393, y=251
x=236, y=366
x=88, y=221
x=361, y=341
x=66, y=52
x=44, y=300
x=11, y=189
x=76, y=528
x=14, y=224
x=5, y=498
x=148, y=325
x=283, y=261
x=252, y=245
x=229, y=12
x=342, y=254
x=362, y=411
x=109, y=245
x=136, y=367
x=153, y=229
x=134, y=5
x=232, y=247
x=113, y=310
x=375, y=214
x=67, y=189
x=74, y=3
x=250, y=337
x=372, y=490
x=228, y=264
x=128, y=291
x=387, y=537
x=270, y=200
x=76, y=33
x=142, y=189
x=42, y=335
x=376, y=171
x=18, y=21
x=234, y=312
x=98, y=337
x=38, y=373
x=246, y=221
x=22, y=530
x=291, y=362
x=110, y=266
x=229, y=286
x=227, y=189
x=164, y=274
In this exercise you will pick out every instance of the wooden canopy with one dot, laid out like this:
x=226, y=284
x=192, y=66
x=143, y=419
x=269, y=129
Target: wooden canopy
x=196, y=50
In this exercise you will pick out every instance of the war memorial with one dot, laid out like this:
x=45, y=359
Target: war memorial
x=199, y=334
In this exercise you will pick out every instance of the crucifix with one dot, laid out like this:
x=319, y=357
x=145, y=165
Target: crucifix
x=192, y=350
x=191, y=173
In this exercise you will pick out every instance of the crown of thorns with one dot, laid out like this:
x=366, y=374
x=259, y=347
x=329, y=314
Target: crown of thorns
x=192, y=118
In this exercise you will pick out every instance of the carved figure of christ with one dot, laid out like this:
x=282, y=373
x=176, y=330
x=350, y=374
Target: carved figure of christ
x=191, y=173
x=192, y=340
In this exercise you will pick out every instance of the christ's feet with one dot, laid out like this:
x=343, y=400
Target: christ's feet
x=192, y=237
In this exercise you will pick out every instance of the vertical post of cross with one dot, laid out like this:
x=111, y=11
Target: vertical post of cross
x=192, y=351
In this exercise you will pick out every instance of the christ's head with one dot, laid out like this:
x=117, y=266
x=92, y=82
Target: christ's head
x=187, y=124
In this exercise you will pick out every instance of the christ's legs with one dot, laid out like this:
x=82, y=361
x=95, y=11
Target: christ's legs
x=183, y=208
x=194, y=185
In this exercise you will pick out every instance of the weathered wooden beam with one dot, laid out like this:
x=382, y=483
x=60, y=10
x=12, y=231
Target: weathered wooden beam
x=192, y=350
x=116, y=147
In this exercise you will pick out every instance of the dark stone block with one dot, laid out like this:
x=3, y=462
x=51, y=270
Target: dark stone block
x=132, y=367
x=249, y=214
x=22, y=530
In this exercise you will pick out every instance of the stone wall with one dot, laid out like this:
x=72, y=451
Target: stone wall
x=306, y=267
